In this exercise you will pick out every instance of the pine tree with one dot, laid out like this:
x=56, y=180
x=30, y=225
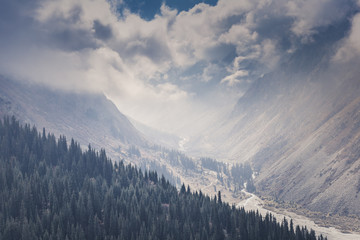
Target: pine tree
x=49, y=190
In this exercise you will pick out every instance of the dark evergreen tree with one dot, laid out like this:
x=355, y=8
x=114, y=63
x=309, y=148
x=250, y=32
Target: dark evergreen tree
x=52, y=190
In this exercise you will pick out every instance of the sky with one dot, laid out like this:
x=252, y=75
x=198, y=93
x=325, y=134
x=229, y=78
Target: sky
x=165, y=63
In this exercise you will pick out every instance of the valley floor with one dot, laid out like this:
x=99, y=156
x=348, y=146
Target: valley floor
x=255, y=203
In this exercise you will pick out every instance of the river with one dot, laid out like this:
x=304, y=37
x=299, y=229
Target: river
x=255, y=203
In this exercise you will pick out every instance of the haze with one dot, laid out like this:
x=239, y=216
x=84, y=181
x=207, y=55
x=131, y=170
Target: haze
x=177, y=67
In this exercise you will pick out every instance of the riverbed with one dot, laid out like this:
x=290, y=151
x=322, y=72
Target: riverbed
x=255, y=203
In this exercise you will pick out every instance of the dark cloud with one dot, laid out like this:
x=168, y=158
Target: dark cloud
x=226, y=23
x=101, y=31
x=278, y=29
x=176, y=55
x=320, y=50
x=66, y=32
x=221, y=53
x=156, y=50
x=16, y=11
x=75, y=14
x=18, y=26
x=151, y=47
x=16, y=21
x=69, y=39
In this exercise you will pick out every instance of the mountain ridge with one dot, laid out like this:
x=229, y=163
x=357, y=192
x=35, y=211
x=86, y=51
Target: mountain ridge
x=50, y=189
x=300, y=130
x=93, y=116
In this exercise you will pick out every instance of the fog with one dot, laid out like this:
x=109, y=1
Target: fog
x=179, y=71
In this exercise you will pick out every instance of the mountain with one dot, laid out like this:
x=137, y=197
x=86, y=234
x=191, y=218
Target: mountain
x=88, y=117
x=158, y=137
x=307, y=149
x=299, y=126
x=52, y=190
x=95, y=120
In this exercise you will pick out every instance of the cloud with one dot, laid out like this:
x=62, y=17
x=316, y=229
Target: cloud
x=240, y=36
x=209, y=72
x=63, y=69
x=156, y=69
x=309, y=15
x=350, y=48
x=234, y=78
x=195, y=32
x=101, y=31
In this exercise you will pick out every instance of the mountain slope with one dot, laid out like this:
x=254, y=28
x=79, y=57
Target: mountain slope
x=95, y=120
x=300, y=128
x=313, y=158
x=88, y=117
x=49, y=190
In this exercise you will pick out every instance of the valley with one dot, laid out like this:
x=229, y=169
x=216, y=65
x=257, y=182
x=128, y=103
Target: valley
x=252, y=202
x=251, y=103
x=202, y=174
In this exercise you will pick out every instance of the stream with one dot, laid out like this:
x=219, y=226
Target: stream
x=255, y=203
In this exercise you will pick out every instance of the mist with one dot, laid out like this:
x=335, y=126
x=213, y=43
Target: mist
x=180, y=71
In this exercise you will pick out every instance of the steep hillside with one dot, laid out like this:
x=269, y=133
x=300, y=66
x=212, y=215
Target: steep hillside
x=52, y=190
x=305, y=145
x=317, y=164
x=300, y=128
x=90, y=118
x=95, y=120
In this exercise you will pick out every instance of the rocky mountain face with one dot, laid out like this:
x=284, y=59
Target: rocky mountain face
x=300, y=128
x=93, y=119
x=87, y=117
x=308, y=146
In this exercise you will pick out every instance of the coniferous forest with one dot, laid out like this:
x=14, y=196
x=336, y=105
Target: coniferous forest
x=51, y=189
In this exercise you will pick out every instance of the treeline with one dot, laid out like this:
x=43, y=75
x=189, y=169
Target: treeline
x=242, y=175
x=161, y=169
x=175, y=158
x=239, y=176
x=212, y=164
x=235, y=177
x=50, y=189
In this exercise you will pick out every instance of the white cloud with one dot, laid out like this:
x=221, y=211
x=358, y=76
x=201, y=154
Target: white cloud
x=171, y=92
x=209, y=72
x=65, y=70
x=199, y=29
x=239, y=35
x=269, y=57
x=351, y=45
x=90, y=10
x=234, y=78
x=85, y=45
x=312, y=14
